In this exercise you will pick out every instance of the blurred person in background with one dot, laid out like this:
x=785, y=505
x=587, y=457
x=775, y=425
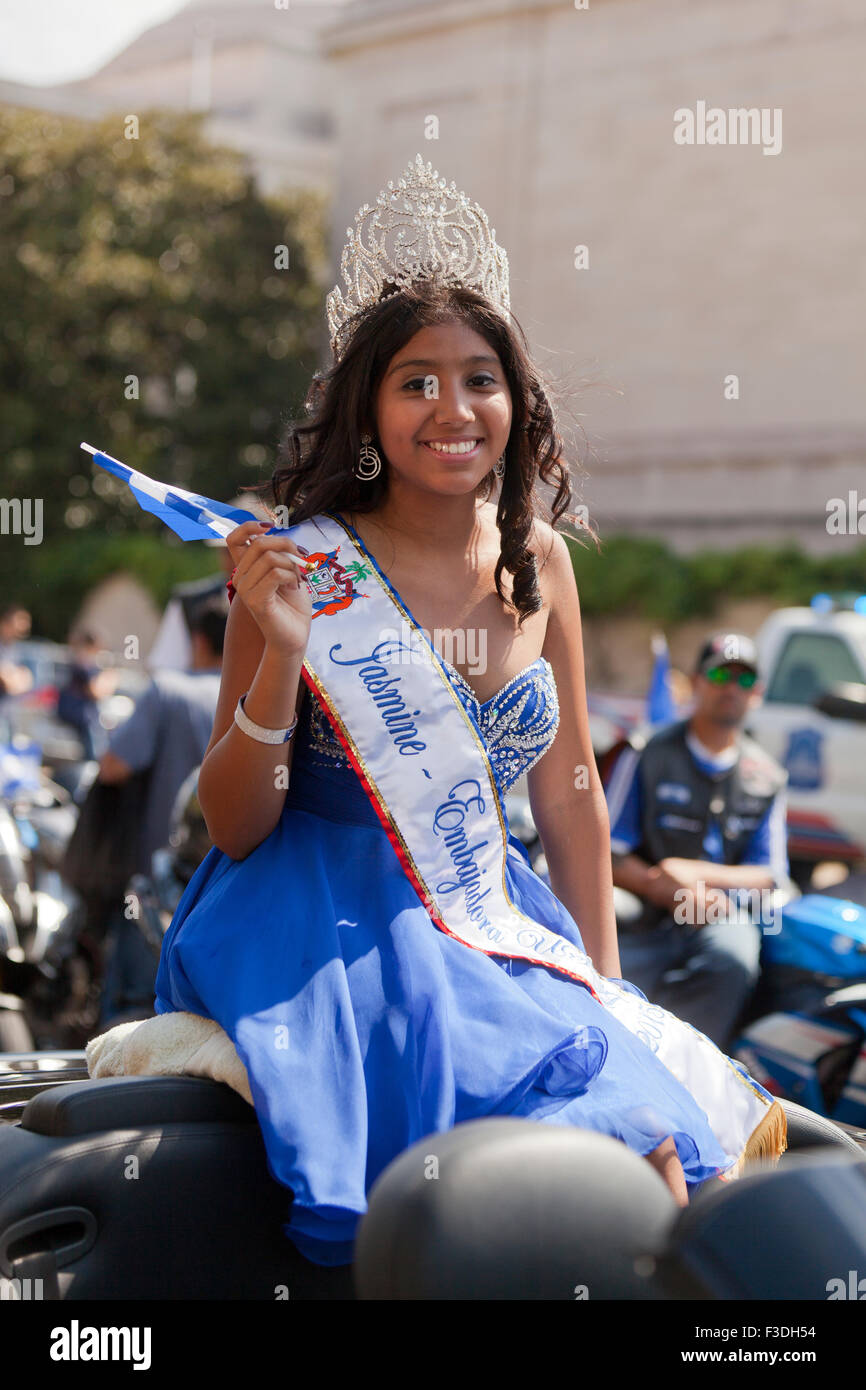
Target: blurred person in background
x=15, y=679
x=88, y=683
x=167, y=732
x=170, y=726
x=172, y=647
x=697, y=814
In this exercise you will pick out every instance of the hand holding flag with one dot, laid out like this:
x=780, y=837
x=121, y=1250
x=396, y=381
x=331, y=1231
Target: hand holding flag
x=190, y=515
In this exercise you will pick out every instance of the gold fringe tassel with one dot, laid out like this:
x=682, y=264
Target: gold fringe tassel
x=770, y=1138
x=767, y=1142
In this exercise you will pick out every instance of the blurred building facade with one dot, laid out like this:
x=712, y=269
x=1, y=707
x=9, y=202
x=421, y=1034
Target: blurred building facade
x=719, y=300
x=255, y=67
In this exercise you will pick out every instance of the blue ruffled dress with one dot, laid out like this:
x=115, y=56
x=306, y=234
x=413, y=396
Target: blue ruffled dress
x=363, y=1027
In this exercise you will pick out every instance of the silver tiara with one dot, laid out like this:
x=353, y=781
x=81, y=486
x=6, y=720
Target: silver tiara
x=420, y=230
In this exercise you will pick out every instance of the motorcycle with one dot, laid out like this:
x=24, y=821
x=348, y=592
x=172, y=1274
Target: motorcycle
x=580, y=1207
x=805, y=1037
x=521, y=1209
x=47, y=967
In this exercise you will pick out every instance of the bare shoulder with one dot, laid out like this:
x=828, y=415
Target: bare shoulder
x=548, y=546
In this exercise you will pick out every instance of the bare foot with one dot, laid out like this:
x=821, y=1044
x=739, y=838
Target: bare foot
x=667, y=1164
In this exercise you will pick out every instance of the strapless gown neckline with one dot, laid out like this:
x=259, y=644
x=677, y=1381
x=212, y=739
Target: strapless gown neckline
x=482, y=704
x=485, y=704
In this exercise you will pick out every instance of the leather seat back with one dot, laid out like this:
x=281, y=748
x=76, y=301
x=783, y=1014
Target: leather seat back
x=149, y=1188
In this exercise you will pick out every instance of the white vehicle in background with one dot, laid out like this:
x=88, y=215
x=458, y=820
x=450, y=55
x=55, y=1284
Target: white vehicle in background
x=813, y=721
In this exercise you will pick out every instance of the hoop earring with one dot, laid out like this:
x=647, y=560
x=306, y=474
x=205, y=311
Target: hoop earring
x=499, y=466
x=369, y=462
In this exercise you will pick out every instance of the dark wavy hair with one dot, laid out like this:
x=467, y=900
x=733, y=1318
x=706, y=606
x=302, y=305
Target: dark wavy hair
x=315, y=458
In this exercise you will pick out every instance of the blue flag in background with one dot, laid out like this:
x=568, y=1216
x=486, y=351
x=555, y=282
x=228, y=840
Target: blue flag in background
x=190, y=516
x=660, y=706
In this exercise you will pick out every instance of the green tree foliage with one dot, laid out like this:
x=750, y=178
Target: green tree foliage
x=150, y=258
x=644, y=578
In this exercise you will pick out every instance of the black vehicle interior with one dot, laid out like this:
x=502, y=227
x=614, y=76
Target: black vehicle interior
x=164, y=1178
x=152, y=1187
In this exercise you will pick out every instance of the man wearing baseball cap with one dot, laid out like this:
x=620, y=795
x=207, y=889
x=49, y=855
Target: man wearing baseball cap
x=698, y=834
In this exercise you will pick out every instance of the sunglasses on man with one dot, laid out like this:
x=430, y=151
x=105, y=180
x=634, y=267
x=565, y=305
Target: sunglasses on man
x=721, y=675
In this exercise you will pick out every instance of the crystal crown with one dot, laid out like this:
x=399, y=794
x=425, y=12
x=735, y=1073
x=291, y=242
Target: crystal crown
x=422, y=229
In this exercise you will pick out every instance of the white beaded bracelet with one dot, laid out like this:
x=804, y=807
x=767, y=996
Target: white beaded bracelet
x=258, y=731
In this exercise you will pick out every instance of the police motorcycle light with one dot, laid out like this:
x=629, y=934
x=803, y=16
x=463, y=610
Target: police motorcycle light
x=822, y=603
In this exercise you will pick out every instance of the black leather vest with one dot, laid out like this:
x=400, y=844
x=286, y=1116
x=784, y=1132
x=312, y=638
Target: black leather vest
x=680, y=800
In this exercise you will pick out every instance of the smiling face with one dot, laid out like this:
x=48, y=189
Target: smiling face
x=446, y=386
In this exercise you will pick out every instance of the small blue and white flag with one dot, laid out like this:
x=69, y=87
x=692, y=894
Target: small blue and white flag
x=190, y=516
x=660, y=704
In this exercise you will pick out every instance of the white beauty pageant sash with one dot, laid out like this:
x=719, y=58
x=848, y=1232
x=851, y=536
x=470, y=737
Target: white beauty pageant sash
x=423, y=762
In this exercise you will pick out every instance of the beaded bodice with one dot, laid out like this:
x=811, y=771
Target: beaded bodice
x=518, y=724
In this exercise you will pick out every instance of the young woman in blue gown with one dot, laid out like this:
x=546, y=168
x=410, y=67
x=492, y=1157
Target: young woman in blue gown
x=362, y=1026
